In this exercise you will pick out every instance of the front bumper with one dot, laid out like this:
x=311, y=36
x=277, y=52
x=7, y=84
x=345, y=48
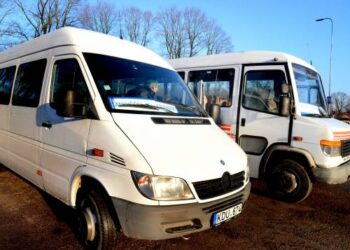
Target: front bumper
x=164, y=222
x=336, y=175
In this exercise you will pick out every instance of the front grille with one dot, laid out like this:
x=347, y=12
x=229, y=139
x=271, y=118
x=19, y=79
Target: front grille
x=224, y=205
x=345, y=148
x=217, y=187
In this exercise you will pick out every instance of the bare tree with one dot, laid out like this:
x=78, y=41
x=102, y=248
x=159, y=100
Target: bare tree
x=190, y=32
x=41, y=17
x=171, y=32
x=101, y=17
x=137, y=25
x=195, y=26
x=5, y=10
x=216, y=40
x=341, y=102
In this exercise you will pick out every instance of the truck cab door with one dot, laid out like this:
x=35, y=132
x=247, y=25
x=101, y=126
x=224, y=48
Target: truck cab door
x=261, y=122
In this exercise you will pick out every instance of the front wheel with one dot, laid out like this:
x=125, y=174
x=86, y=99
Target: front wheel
x=288, y=181
x=96, y=227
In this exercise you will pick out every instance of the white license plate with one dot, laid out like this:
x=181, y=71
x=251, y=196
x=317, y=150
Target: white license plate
x=225, y=215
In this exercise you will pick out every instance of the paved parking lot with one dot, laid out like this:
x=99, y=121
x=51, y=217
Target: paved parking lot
x=33, y=220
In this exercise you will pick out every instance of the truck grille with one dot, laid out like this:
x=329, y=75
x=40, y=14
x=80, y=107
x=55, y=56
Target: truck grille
x=216, y=187
x=345, y=148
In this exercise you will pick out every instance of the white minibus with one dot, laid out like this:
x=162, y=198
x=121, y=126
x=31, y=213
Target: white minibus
x=109, y=128
x=273, y=104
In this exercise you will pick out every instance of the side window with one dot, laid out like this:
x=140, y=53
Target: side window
x=218, y=85
x=6, y=79
x=67, y=75
x=28, y=83
x=262, y=90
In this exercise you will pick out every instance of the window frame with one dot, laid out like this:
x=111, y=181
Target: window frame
x=12, y=83
x=245, y=86
x=52, y=71
x=235, y=72
x=42, y=86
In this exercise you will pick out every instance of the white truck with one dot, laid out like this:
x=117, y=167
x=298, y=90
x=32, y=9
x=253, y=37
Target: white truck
x=109, y=128
x=273, y=104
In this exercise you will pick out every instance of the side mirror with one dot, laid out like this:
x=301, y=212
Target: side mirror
x=285, y=100
x=68, y=107
x=285, y=106
x=284, y=88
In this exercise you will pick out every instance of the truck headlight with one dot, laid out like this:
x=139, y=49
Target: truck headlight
x=162, y=188
x=331, y=148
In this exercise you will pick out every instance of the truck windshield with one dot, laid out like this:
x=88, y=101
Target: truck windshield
x=135, y=87
x=310, y=92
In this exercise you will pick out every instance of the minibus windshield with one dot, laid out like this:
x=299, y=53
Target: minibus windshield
x=310, y=92
x=135, y=87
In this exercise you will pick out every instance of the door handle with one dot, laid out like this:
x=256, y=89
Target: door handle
x=242, y=122
x=46, y=125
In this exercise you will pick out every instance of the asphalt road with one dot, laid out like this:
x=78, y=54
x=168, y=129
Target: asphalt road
x=29, y=219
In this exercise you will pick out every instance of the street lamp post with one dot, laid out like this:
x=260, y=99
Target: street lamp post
x=330, y=60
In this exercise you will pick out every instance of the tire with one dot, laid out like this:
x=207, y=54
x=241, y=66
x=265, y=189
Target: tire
x=288, y=181
x=96, y=227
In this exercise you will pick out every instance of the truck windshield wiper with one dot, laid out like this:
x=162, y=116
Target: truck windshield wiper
x=313, y=115
x=193, y=109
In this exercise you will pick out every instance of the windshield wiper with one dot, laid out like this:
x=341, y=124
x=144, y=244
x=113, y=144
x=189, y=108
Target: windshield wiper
x=323, y=112
x=147, y=106
x=313, y=115
x=193, y=109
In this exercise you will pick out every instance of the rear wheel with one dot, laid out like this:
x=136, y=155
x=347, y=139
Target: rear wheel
x=96, y=227
x=288, y=181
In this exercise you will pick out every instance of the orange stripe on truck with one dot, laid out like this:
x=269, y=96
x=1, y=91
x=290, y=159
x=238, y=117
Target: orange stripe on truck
x=341, y=135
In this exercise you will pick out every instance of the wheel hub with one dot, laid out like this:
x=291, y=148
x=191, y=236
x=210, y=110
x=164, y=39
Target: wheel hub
x=288, y=182
x=90, y=224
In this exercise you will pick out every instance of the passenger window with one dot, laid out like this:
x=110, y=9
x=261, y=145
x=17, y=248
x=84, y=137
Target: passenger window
x=6, y=79
x=262, y=90
x=67, y=75
x=218, y=85
x=28, y=83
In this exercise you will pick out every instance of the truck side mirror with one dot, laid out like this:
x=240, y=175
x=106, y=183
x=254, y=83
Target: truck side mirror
x=68, y=107
x=285, y=106
x=285, y=100
x=284, y=88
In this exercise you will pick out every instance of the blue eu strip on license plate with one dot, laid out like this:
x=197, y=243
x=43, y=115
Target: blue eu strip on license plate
x=222, y=216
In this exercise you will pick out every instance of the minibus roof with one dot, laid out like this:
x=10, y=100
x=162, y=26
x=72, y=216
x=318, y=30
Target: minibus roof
x=86, y=41
x=245, y=57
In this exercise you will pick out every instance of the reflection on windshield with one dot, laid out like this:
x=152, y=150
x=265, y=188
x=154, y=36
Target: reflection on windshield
x=310, y=90
x=129, y=86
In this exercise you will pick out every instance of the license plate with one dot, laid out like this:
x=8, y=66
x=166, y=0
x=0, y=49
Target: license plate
x=225, y=215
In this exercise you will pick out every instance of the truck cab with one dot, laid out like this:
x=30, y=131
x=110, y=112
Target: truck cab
x=273, y=104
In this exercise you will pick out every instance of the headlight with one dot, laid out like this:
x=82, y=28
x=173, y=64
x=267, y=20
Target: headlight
x=162, y=187
x=331, y=148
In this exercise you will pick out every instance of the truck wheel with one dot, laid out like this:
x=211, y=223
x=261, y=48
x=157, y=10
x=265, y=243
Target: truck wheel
x=96, y=227
x=288, y=181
